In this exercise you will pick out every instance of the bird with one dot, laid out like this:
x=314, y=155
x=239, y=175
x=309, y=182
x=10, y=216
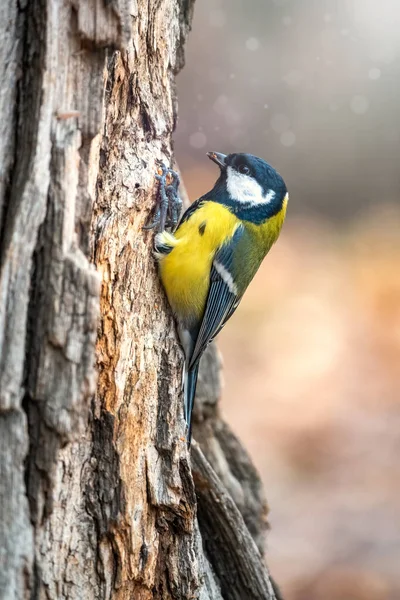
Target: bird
x=208, y=259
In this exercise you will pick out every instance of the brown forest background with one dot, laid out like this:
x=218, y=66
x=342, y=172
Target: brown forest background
x=312, y=357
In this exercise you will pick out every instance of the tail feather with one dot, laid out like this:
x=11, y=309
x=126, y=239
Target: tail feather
x=189, y=394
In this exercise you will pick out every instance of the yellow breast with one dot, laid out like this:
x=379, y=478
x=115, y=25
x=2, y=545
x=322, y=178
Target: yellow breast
x=185, y=271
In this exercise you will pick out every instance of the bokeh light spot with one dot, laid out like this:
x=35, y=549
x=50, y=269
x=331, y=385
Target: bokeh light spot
x=197, y=140
x=374, y=73
x=252, y=44
x=288, y=139
x=359, y=105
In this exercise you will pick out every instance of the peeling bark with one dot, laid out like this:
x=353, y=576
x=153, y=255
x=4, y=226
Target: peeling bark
x=97, y=498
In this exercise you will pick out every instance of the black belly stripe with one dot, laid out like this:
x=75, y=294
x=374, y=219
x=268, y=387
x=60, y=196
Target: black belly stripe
x=202, y=227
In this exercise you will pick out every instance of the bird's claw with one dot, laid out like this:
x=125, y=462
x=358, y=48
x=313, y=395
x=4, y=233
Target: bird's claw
x=169, y=204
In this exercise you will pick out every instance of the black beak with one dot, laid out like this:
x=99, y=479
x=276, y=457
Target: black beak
x=218, y=158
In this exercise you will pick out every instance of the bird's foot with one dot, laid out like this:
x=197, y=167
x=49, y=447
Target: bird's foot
x=169, y=204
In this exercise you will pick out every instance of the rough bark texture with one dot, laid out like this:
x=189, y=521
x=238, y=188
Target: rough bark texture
x=97, y=498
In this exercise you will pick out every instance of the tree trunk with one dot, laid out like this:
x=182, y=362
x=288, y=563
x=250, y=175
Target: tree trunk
x=97, y=495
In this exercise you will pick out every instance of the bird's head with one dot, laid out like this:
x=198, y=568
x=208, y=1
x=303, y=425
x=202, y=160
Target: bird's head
x=248, y=182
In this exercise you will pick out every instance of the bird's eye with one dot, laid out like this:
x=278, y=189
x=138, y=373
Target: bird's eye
x=244, y=169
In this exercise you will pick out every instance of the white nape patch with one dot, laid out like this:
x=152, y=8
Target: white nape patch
x=244, y=188
x=226, y=277
x=270, y=195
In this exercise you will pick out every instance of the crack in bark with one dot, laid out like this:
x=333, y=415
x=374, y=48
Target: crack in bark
x=8, y=207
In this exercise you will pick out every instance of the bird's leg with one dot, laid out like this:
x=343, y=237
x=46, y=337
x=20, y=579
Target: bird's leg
x=169, y=203
x=174, y=200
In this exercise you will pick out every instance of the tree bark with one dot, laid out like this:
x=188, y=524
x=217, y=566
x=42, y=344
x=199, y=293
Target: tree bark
x=97, y=496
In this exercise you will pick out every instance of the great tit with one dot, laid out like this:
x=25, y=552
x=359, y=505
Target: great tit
x=207, y=263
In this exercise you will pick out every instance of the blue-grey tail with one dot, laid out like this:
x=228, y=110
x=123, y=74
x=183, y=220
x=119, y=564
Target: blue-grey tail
x=190, y=384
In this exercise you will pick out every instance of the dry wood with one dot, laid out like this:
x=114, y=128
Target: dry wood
x=227, y=541
x=97, y=498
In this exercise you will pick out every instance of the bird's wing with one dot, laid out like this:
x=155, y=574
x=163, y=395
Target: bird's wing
x=223, y=297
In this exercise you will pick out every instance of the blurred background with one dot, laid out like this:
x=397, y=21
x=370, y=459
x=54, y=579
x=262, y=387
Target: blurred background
x=312, y=357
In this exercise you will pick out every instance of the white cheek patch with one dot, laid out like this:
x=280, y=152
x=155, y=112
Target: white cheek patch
x=244, y=188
